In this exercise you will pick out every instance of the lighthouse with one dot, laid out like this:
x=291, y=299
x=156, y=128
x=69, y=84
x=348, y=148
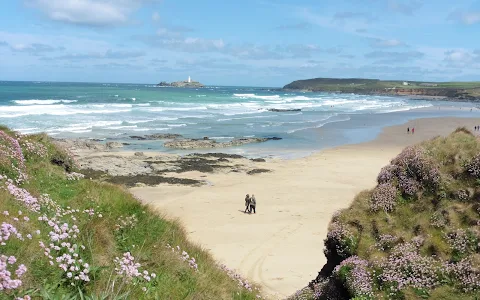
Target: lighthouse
x=189, y=80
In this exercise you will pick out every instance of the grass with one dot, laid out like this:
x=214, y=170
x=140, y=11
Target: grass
x=146, y=240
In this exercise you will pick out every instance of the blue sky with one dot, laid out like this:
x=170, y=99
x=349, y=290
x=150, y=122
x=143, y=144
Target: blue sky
x=254, y=43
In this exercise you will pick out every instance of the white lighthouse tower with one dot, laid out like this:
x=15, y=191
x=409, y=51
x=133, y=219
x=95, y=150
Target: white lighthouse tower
x=189, y=80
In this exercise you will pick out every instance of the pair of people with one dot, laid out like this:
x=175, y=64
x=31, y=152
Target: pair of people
x=250, y=204
x=413, y=130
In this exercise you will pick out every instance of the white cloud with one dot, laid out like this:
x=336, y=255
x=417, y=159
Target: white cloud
x=155, y=17
x=468, y=18
x=376, y=42
x=88, y=12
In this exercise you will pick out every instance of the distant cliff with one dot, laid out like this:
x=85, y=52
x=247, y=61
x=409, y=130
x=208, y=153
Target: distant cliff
x=451, y=90
x=182, y=84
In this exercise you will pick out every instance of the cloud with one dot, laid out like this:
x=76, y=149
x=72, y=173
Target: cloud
x=385, y=43
x=114, y=65
x=404, y=7
x=294, y=27
x=88, y=12
x=468, y=18
x=155, y=17
x=462, y=58
x=33, y=49
x=386, y=57
x=109, y=54
x=348, y=15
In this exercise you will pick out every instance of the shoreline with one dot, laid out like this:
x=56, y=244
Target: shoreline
x=281, y=246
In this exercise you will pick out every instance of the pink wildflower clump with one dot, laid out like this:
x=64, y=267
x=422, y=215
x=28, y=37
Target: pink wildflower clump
x=6, y=231
x=63, y=251
x=410, y=171
x=473, y=167
x=386, y=242
x=243, y=283
x=72, y=176
x=32, y=148
x=340, y=241
x=405, y=267
x=130, y=270
x=7, y=280
x=465, y=275
x=185, y=257
x=23, y=196
x=462, y=241
x=384, y=197
x=126, y=222
x=11, y=156
x=358, y=278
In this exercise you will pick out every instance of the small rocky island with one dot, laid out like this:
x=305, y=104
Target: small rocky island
x=182, y=84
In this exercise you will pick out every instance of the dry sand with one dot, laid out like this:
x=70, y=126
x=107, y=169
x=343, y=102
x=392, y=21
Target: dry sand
x=281, y=246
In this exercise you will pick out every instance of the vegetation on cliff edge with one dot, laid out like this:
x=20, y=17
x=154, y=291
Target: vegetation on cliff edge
x=415, y=235
x=66, y=237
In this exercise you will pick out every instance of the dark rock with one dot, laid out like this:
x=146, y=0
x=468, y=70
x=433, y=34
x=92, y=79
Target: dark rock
x=258, y=159
x=217, y=155
x=126, y=144
x=257, y=171
x=136, y=137
x=131, y=181
x=139, y=154
x=162, y=136
x=284, y=109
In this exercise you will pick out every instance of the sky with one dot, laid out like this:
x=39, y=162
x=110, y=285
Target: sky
x=241, y=43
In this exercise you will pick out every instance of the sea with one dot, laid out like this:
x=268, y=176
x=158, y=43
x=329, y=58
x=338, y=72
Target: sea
x=108, y=111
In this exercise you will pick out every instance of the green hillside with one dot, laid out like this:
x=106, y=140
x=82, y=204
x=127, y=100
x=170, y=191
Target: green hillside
x=66, y=237
x=455, y=90
x=416, y=235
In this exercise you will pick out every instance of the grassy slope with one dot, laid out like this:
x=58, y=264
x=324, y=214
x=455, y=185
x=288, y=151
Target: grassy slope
x=413, y=217
x=146, y=241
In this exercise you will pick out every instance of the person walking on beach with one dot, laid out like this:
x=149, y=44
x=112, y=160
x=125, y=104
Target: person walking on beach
x=253, y=204
x=247, y=203
x=408, y=130
x=413, y=130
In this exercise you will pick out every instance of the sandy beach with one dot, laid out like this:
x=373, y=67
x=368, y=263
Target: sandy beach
x=281, y=246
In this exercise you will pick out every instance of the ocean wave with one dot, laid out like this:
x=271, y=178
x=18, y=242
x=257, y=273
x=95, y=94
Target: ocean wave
x=121, y=127
x=54, y=109
x=245, y=96
x=328, y=120
x=44, y=102
x=253, y=117
x=176, y=125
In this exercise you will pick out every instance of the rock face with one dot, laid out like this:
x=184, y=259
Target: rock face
x=182, y=84
x=207, y=143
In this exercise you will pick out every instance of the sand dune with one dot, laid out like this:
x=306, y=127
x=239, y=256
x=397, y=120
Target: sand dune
x=281, y=247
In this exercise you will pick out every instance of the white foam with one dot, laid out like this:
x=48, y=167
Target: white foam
x=176, y=125
x=55, y=109
x=121, y=127
x=253, y=96
x=44, y=102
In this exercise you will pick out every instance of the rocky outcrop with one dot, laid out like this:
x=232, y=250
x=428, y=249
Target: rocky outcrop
x=181, y=84
x=157, y=136
x=206, y=143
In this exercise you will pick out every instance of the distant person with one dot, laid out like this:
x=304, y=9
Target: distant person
x=413, y=130
x=253, y=204
x=247, y=203
x=475, y=128
x=408, y=130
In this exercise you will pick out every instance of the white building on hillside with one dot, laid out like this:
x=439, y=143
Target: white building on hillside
x=189, y=80
x=405, y=83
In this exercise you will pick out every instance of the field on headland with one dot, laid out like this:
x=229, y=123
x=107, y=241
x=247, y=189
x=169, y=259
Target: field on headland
x=453, y=90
